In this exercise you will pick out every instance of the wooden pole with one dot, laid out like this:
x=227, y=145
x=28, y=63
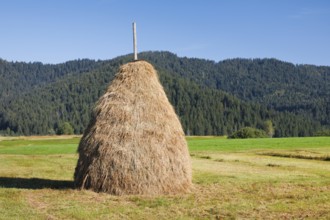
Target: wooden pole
x=134, y=41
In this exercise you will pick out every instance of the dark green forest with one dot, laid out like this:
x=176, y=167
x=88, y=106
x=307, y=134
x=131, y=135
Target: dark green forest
x=211, y=98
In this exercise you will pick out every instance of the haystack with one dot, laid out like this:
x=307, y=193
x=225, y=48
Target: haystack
x=134, y=143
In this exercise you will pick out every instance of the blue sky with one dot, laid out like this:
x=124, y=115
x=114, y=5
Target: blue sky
x=55, y=31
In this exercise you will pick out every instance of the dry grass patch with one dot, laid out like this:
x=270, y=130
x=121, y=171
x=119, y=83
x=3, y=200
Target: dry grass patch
x=307, y=155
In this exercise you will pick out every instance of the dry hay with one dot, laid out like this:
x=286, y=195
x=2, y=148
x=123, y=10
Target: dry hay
x=134, y=143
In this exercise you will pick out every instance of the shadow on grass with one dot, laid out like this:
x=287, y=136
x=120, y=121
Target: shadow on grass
x=34, y=183
x=298, y=156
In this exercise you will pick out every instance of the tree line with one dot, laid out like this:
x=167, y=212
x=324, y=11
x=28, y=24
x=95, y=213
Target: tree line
x=210, y=98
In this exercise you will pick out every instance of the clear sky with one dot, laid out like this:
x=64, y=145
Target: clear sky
x=55, y=31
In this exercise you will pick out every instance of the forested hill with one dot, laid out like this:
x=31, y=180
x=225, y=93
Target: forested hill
x=210, y=98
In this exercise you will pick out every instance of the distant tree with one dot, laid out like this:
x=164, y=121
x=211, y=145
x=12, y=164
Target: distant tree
x=249, y=132
x=51, y=131
x=324, y=132
x=8, y=132
x=268, y=128
x=65, y=128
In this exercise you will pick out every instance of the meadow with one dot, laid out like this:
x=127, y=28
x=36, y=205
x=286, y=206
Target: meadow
x=284, y=178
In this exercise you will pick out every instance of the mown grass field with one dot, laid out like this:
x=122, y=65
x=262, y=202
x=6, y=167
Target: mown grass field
x=287, y=178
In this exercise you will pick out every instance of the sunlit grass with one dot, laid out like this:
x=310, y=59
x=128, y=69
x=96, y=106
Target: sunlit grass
x=232, y=179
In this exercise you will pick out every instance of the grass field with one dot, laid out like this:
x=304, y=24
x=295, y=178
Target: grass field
x=287, y=178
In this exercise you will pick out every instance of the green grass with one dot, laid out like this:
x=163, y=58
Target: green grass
x=249, y=179
x=236, y=145
x=39, y=147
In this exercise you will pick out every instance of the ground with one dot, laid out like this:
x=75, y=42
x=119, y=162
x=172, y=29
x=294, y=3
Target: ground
x=287, y=178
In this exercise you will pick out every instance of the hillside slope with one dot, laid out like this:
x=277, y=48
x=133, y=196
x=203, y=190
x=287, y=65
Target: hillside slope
x=210, y=98
x=301, y=89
